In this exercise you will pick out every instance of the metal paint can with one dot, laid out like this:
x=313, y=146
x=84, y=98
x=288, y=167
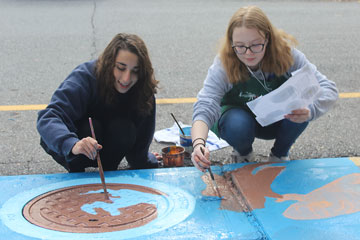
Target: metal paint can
x=173, y=156
x=185, y=141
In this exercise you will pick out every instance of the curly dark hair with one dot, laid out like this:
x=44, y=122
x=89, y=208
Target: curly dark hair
x=144, y=89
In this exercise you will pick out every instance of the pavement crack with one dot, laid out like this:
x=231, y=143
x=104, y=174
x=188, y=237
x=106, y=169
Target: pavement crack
x=93, y=44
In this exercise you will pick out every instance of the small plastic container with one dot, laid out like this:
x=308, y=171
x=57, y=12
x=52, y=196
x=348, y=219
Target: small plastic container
x=173, y=156
x=185, y=141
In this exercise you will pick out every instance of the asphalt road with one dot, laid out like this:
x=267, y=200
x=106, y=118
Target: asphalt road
x=43, y=40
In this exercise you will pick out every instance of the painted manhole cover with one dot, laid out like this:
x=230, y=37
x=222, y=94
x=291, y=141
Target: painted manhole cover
x=83, y=209
x=77, y=209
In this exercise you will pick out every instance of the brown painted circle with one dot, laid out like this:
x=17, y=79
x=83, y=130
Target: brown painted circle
x=60, y=210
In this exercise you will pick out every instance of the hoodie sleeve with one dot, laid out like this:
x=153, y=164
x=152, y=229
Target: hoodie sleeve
x=56, y=123
x=207, y=107
x=329, y=93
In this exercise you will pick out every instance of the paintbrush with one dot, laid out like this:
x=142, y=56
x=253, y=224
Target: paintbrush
x=212, y=177
x=178, y=124
x=101, y=171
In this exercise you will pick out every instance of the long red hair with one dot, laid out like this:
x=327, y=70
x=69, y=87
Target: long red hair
x=277, y=58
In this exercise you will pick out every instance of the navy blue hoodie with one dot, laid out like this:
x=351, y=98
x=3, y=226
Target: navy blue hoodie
x=76, y=99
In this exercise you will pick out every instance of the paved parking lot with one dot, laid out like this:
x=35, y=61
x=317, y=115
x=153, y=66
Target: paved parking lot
x=42, y=41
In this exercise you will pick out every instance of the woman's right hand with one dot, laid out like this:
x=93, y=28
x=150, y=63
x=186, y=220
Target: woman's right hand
x=200, y=158
x=87, y=146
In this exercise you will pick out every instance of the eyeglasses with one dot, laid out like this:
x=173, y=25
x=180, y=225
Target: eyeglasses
x=256, y=48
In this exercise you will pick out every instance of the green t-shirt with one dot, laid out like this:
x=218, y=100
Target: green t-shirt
x=244, y=92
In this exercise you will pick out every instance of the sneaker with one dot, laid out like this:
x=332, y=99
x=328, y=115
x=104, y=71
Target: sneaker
x=273, y=158
x=237, y=158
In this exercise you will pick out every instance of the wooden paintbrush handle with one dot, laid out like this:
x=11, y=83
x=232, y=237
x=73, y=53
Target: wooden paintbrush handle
x=101, y=171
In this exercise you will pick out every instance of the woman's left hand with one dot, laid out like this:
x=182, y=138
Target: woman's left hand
x=299, y=115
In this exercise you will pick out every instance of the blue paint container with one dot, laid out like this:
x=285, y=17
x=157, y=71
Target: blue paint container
x=185, y=141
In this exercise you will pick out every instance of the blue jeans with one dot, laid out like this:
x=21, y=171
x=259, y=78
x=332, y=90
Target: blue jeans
x=239, y=128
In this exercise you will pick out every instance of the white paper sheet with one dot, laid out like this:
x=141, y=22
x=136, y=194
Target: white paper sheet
x=297, y=92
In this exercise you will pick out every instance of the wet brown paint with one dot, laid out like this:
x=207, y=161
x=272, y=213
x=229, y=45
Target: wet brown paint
x=61, y=210
x=242, y=183
x=230, y=200
x=255, y=187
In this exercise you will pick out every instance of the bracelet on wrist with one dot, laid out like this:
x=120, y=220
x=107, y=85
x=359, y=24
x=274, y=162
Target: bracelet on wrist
x=198, y=144
x=199, y=138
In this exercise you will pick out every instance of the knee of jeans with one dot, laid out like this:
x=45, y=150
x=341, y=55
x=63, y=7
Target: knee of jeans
x=237, y=136
x=294, y=127
x=238, y=129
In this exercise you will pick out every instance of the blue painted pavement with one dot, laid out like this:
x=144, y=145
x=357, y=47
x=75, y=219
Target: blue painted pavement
x=318, y=200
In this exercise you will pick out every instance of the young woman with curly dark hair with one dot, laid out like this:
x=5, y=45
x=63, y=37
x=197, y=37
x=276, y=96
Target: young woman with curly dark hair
x=117, y=91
